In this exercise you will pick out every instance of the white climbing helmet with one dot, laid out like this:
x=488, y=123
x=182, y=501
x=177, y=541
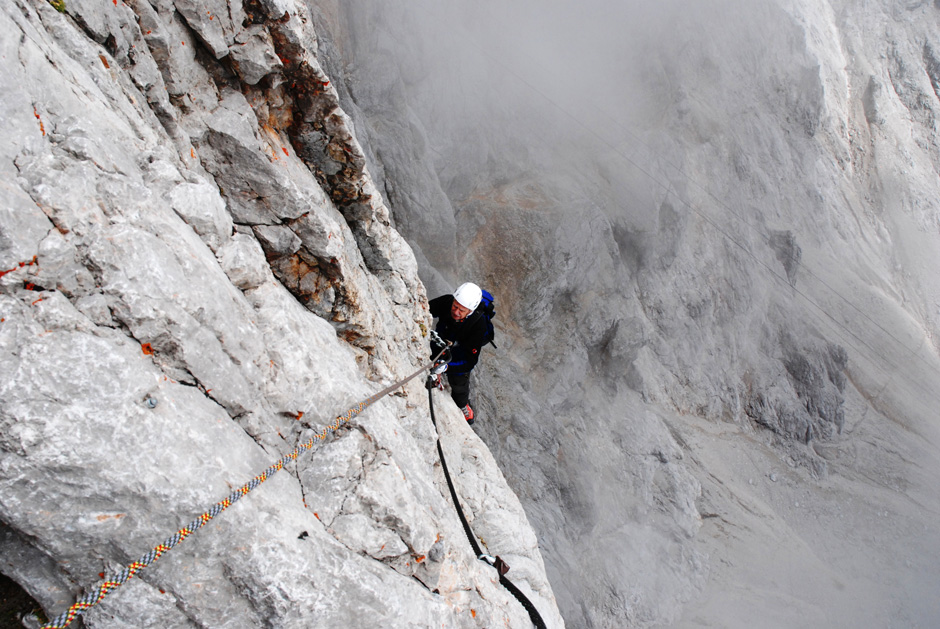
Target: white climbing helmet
x=468, y=295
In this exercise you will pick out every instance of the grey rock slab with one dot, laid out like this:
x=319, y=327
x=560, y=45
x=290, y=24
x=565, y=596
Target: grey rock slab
x=182, y=331
x=203, y=209
x=260, y=187
x=278, y=241
x=172, y=47
x=112, y=26
x=23, y=226
x=243, y=261
x=59, y=266
x=253, y=54
x=385, y=492
x=361, y=534
x=309, y=371
x=215, y=22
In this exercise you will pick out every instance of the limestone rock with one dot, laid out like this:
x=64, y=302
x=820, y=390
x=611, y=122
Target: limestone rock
x=253, y=54
x=182, y=304
x=215, y=22
x=201, y=207
x=243, y=262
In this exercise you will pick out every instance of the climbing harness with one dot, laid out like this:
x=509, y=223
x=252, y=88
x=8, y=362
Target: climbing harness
x=501, y=566
x=99, y=593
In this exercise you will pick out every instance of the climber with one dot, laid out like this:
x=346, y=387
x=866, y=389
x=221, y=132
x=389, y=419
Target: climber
x=459, y=321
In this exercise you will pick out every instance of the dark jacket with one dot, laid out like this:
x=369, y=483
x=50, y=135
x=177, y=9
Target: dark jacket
x=468, y=335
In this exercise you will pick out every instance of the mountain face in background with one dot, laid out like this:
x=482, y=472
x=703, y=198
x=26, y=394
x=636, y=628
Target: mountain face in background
x=711, y=229
x=712, y=233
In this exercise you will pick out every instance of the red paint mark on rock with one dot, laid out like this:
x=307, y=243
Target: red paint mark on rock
x=103, y=516
x=21, y=264
x=41, y=128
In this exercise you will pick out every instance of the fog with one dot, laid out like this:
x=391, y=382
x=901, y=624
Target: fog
x=599, y=97
x=711, y=229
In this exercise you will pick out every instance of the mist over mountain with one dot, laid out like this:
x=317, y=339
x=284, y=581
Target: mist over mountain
x=713, y=234
x=711, y=229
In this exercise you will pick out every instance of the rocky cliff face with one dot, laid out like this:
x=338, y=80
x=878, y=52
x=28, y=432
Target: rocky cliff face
x=712, y=232
x=198, y=273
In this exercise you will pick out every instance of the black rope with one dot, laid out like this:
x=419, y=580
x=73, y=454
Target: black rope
x=450, y=483
x=496, y=562
x=526, y=603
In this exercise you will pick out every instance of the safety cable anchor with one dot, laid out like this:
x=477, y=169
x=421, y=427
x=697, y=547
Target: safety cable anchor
x=437, y=340
x=438, y=343
x=497, y=562
x=441, y=348
x=434, y=381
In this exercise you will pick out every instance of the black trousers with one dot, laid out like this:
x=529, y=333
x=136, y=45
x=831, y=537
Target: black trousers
x=459, y=388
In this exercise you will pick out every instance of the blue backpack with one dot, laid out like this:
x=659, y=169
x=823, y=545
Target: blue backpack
x=488, y=309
